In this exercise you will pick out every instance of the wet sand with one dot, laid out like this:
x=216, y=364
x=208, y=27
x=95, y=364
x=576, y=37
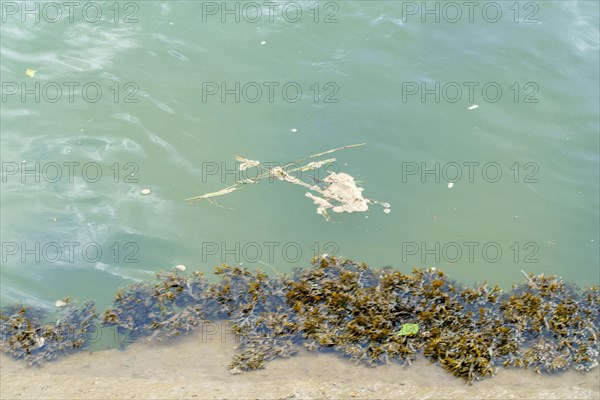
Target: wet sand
x=195, y=367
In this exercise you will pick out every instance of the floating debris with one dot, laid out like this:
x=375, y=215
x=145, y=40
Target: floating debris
x=372, y=316
x=473, y=107
x=60, y=303
x=341, y=190
x=450, y=185
x=245, y=163
x=179, y=267
x=145, y=191
x=30, y=72
x=337, y=191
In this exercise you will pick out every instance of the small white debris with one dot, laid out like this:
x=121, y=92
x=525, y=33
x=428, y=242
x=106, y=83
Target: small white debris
x=263, y=42
x=59, y=303
x=235, y=371
x=39, y=341
x=387, y=210
x=180, y=267
x=450, y=185
x=473, y=107
x=294, y=130
x=145, y=192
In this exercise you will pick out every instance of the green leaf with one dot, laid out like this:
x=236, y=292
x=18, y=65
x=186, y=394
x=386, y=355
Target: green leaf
x=408, y=329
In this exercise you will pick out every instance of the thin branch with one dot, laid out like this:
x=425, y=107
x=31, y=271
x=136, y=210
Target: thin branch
x=236, y=185
x=326, y=152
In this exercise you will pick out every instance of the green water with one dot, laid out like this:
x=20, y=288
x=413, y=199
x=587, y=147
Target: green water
x=543, y=133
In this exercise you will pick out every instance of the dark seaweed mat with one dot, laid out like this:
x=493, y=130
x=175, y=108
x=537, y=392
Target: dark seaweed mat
x=340, y=306
x=23, y=334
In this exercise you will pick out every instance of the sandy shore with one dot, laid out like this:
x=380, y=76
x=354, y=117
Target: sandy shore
x=194, y=367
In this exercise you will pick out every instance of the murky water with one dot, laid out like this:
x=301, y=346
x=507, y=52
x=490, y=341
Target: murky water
x=163, y=95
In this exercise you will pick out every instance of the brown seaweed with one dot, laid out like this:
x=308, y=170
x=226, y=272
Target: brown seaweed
x=344, y=307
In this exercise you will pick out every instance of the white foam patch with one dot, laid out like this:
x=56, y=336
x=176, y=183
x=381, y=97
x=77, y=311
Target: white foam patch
x=13, y=295
x=136, y=275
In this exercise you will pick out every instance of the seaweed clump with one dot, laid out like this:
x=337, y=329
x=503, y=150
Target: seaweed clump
x=259, y=314
x=175, y=304
x=337, y=305
x=346, y=307
x=554, y=326
x=24, y=335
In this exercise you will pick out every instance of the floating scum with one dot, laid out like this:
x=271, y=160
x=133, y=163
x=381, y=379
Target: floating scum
x=337, y=192
x=371, y=316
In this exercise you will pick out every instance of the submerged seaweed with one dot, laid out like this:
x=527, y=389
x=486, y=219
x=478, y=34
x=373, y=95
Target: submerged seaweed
x=174, y=305
x=24, y=335
x=340, y=306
